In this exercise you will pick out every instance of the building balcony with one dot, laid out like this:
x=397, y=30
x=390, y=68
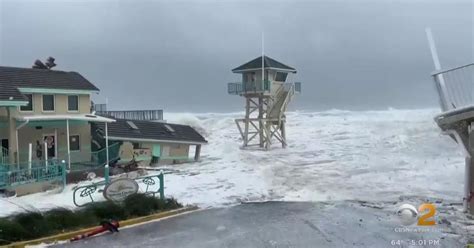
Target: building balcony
x=138, y=115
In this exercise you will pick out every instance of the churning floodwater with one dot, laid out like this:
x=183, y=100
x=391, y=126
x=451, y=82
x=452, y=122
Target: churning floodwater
x=332, y=155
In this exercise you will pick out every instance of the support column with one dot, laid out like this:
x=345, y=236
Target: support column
x=247, y=116
x=469, y=173
x=12, y=137
x=283, y=134
x=106, y=144
x=197, y=154
x=68, y=145
x=107, y=169
x=268, y=134
x=467, y=199
x=260, y=122
x=471, y=202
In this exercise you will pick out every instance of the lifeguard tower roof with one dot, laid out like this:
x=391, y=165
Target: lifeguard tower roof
x=269, y=63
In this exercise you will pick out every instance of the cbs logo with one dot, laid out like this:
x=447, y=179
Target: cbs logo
x=424, y=216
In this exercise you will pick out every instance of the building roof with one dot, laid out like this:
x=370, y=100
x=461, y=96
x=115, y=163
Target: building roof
x=12, y=78
x=133, y=130
x=269, y=63
x=74, y=117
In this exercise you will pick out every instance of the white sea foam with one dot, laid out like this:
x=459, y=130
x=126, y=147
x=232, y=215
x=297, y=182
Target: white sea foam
x=332, y=155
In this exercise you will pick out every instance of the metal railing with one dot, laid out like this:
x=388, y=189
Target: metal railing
x=92, y=160
x=151, y=185
x=100, y=107
x=139, y=115
x=4, y=159
x=248, y=87
x=455, y=87
x=55, y=171
x=100, y=157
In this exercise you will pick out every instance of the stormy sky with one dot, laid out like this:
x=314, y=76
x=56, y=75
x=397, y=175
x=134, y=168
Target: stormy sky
x=178, y=55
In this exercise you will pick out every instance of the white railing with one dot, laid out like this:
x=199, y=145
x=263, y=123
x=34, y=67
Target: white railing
x=4, y=156
x=138, y=115
x=455, y=87
x=289, y=96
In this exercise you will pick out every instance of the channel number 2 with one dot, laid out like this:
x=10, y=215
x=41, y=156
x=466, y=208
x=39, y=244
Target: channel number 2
x=427, y=212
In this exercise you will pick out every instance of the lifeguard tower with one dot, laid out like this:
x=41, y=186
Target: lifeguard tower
x=455, y=88
x=267, y=88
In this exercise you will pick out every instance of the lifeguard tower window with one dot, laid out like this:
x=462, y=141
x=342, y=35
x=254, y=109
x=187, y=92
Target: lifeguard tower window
x=281, y=76
x=250, y=77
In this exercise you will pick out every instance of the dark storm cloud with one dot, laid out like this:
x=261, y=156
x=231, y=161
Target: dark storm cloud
x=178, y=55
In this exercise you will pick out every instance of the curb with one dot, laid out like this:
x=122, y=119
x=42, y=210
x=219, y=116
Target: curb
x=124, y=223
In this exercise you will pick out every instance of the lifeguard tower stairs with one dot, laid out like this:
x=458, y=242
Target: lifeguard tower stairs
x=267, y=88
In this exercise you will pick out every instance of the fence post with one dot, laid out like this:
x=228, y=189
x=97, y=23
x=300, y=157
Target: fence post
x=162, y=186
x=106, y=174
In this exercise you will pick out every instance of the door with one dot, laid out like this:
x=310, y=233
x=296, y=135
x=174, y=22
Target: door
x=51, y=145
x=156, y=150
x=166, y=151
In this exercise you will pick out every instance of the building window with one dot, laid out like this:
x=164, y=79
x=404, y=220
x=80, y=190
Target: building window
x=28, y=107
x=281, y=76
x=73, y=103
x=48, y=102
x=74, y=143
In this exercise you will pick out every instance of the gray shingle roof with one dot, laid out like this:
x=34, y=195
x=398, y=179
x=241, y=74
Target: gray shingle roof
x=153, y=130
x=10, y=93
x=12, y=78
x=256, y=64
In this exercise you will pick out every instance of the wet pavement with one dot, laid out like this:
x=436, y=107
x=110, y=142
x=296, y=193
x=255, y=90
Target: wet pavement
x=280, y=224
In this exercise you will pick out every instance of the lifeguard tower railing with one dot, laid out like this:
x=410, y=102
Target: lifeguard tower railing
x=237, y=88
x=455, y=87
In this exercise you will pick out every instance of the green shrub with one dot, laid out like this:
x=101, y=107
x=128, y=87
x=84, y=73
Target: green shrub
x=172, y=203
x=142, y=204
x=11, y=231
x=34, y=223
x=31, y=225
x=61, y=219
x=105, y=210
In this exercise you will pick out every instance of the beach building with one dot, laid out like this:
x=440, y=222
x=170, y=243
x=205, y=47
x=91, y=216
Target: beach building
x=46, y=110
x=49, y=130
x=152, y=143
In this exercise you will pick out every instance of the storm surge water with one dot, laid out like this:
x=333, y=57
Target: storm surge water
x=332, y=155
x=373, y=156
